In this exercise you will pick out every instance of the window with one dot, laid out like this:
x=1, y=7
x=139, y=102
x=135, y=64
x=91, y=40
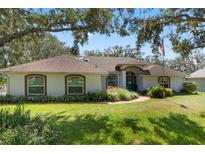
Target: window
x=75, y=85
x=166, y=82
x=36, y=85
x=112, y=80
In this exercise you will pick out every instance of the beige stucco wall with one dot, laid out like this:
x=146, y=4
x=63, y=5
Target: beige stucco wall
x=94, y=82
x=149, y=81
x=16, y=86
x=175, y=82
x=55, y=84
x=200, y=83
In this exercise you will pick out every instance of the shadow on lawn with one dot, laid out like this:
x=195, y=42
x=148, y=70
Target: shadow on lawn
x=96, y=129
x=177, y=129
x=100, y=129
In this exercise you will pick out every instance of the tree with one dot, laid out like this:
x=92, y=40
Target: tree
x=116, y=51
x=48, y=46
x=19, y=52
x=96, y=53
x=18, y=23
x=154, y=59
x=190, y=64
x=185, y=28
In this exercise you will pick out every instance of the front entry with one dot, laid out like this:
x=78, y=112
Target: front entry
x=131, y=81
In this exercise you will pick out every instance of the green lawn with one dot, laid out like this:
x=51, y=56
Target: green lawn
x=174, y=120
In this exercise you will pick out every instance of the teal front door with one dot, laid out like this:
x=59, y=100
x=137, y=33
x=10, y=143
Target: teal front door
x=131, y=81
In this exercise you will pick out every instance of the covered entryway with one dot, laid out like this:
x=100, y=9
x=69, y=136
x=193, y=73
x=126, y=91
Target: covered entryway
x=131, y=81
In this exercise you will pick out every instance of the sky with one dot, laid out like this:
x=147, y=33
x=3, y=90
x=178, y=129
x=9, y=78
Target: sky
x=100, y=42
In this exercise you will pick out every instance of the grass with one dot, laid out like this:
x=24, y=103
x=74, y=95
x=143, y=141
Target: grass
x=174, y=120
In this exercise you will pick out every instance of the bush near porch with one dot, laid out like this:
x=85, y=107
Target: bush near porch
x=111, y=94
x=159, y=92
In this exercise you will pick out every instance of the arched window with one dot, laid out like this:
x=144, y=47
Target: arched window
x=75, y=85
x=35, y=85
x=164, y=81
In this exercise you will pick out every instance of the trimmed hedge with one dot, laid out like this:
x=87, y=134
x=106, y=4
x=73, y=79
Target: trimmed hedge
x=111, y=94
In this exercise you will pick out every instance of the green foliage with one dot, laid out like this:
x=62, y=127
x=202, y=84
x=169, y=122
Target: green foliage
x=189, y=87
x=28, y=23
x=8, y=99
x=184, y=28
x=190, y=64
x=122, y=94
x=175, y=120
x=116, y=51
x=115, y=94
x=3, y=79
x=111, y=94
x=159, y=92
x=156, y=92
x=23, y=51
x=168, y=92
x=18, y=127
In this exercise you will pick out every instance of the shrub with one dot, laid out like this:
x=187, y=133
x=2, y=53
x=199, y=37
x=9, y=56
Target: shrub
x=18, y=127
x=156, y=92
x=189, y=87
x=159, y=92
x=144, y=92
x=124, y=94
x=22, y=99
x=96, y=96
x=115, y=94
x=134, y=95
x=110, y=94
x=169, y=92
x=8, y=99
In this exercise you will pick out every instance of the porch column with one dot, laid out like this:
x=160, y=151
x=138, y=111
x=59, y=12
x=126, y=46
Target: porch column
x=124, y=79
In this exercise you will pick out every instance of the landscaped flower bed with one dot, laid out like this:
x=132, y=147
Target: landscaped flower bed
x=111, y=94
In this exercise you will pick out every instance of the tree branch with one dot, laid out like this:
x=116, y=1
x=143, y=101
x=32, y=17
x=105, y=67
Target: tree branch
x=8, y=38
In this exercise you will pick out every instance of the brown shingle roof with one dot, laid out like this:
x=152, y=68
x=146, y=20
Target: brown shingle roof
x=109, y=63
x=198, y=74
x=157, y=70
x=58, y=64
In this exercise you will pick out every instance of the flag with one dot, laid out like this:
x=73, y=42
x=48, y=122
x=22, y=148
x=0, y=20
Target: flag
x=161, y=47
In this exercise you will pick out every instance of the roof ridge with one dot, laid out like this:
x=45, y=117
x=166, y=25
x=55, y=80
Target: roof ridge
x=40, y=60
x=65, y=57
x=89, y=64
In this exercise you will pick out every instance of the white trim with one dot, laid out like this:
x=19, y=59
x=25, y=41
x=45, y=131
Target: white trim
x=67, y=86
x=44, y=85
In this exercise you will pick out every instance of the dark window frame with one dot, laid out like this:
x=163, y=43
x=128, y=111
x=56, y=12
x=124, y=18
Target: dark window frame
x=115, y=85
x=162, y=83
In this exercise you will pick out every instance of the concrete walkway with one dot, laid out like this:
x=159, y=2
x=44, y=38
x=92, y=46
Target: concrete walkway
x=139, y=99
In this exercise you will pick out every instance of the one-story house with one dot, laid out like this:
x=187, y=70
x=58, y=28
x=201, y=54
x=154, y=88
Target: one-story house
x=69, y=75
x=199, y=78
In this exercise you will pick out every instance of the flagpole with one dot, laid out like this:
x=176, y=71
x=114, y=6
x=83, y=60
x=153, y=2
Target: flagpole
x=163, y=71
x=163, y=65
x=163, y=55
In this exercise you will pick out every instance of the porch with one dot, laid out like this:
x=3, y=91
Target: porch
x=127, y=76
